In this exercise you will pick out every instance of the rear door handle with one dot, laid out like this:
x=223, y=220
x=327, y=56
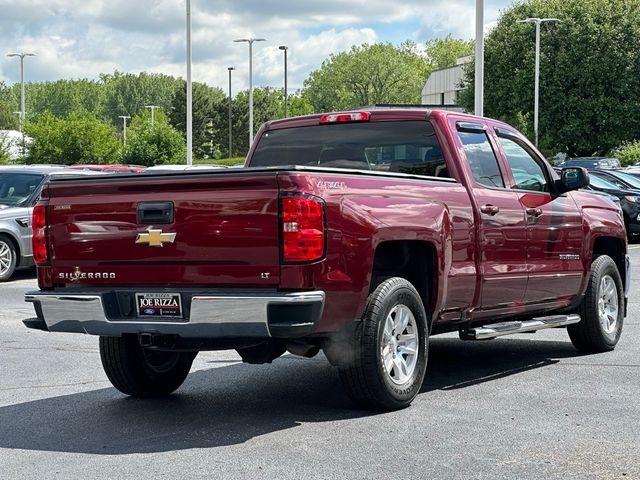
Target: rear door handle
x=489, y=209
x=534, y=212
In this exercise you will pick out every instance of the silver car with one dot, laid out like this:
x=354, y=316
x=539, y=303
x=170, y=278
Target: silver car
x=20, y=188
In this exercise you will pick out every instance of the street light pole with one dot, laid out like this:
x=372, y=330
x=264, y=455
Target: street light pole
x=23, y=111
x=153, y=109
x=250, y=42
x=230, y=134
x=536, y=88
x=479, y=60
x=124, y=128
x=285, y=49
x=189, y=90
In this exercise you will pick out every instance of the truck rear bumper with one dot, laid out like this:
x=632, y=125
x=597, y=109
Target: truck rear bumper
x=278, y=315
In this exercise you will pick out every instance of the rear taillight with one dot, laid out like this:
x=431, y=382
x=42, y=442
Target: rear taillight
x=302, y=228
x=39, y=239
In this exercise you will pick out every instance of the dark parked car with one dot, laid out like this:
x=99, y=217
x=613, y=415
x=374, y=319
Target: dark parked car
x=629, y=200
x=620, y=178
x=592, y=162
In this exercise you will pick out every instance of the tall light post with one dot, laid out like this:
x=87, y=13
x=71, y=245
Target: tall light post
x=189, y=89
x=536, y=88
x=284, y=48
x=230, y=69
x=124, y=128
x=479, y=60
x=23, y=111
x=153, y=109
x=250, y=42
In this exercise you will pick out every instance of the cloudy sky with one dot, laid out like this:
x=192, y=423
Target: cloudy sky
x=82, y=38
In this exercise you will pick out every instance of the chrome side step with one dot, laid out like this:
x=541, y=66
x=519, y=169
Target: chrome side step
x=509, y=328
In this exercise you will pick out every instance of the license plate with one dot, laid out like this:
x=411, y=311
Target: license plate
x=158, y=305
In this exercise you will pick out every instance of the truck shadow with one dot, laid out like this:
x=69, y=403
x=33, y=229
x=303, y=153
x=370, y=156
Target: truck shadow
x=232, y=404
x=454, y=364
x=24, y=274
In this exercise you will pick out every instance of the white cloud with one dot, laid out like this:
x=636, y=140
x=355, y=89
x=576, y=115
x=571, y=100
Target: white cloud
x=82, y=38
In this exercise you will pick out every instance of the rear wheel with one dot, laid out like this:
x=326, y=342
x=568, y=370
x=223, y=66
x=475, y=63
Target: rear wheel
x=601, y=310
x=8, y=258
x=389, y=348
x=142, y=372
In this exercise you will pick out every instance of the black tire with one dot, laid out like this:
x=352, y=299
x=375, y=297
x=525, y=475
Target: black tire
x=8, y=258
x=367, y=381
x=142, y=372
x=590, y=335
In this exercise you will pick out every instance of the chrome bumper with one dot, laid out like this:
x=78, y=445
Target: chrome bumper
x=281, y=315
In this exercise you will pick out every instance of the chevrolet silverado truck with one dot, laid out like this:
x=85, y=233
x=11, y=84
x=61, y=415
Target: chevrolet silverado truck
x=359, y=233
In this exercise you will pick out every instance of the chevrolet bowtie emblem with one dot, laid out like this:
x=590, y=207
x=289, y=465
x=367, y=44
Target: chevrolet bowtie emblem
x=155, y=238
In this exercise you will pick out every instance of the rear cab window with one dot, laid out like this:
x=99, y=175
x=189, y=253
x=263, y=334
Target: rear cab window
x=481, y=158
x=409, y=147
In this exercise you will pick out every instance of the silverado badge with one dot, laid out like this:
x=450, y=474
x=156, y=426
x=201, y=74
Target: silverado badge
x=155, y=237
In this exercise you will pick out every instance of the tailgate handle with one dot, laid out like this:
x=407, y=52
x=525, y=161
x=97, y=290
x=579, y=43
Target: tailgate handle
x=155, y=212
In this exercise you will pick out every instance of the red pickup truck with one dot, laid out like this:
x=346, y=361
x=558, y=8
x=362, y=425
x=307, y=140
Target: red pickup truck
x=360, y=233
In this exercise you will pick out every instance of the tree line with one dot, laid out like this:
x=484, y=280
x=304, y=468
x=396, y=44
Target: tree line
x=79, y=121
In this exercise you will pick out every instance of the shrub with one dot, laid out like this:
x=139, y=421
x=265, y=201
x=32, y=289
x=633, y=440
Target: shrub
x=80, y=138
x=157, y=145
x=628, y=153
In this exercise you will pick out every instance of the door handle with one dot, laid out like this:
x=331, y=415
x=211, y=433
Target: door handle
x=150, y=213
x=534, y=212
x=489, y=209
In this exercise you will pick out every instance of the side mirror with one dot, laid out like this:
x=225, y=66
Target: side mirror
x=573, y=178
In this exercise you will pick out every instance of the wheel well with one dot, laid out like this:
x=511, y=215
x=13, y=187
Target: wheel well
x=412, y=260
x=613, y=247
x=15, y=244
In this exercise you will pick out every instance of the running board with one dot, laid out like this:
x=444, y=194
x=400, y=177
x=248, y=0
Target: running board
x=509, y=328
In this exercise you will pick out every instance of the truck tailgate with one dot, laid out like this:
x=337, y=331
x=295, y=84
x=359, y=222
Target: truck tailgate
x=222, y=230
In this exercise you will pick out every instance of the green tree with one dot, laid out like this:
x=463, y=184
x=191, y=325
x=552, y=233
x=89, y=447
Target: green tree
x=79, y=138
x=153, y=145
x=267, y=105
x=8, y=102
x=368, y=74
x=589, y=73
x=299, y=105
x=128, y=94
x=208, y=105
x=443, y=52
x=4, y=149
x=628, y=153
x=62, y=97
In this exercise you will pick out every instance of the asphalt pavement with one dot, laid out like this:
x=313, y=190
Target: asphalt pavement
x=520, y=407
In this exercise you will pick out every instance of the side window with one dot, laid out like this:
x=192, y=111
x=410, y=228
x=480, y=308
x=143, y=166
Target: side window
x=527, y=173
x=482, y=159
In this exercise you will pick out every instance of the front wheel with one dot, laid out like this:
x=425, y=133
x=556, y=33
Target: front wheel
x=601, y=310
x=142, y=372
x=388, y=348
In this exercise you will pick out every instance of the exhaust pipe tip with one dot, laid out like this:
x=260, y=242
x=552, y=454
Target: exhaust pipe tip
x=303, y=349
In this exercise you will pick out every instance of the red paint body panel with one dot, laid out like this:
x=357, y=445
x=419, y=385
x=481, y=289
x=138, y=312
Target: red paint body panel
x=368, y=211
x=227, y=232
